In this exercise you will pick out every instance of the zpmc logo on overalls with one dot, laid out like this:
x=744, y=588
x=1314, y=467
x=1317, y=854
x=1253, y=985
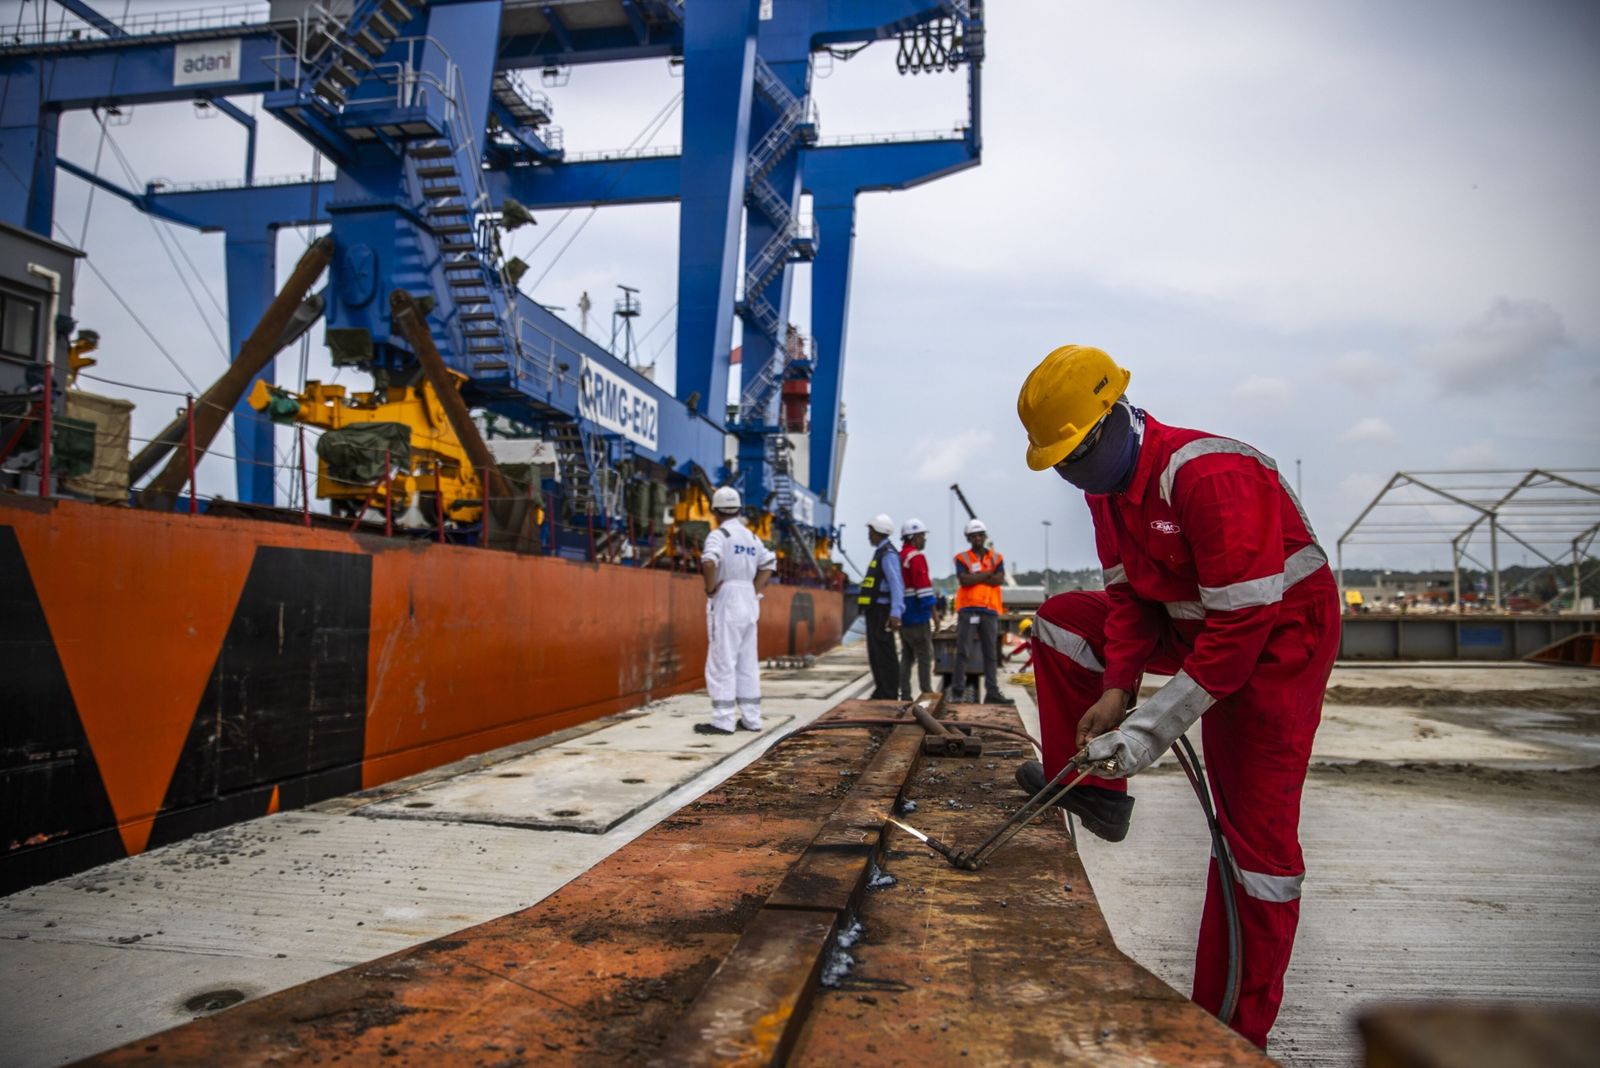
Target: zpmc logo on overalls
x=1164, y=526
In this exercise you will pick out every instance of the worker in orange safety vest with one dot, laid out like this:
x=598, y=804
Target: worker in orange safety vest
x=980, y=572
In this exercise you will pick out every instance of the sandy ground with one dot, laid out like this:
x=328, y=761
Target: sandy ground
x=1452, y=842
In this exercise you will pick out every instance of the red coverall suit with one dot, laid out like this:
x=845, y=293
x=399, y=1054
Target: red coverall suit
x=1212, y=575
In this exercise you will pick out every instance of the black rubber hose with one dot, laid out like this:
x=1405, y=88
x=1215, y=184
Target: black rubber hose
x=1219, y=849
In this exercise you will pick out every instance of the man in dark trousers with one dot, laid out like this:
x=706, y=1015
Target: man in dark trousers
x=883, y=602
x=916, y=626
x=980, y=572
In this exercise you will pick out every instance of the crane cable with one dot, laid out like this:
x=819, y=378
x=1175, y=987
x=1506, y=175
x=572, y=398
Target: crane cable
x=658, y=122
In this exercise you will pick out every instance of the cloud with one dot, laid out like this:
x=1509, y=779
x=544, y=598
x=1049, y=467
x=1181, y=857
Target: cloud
x=1370, y=431
x=1480, y=453
x=1264, y=391
x=1509, y=345
x=1361, y=370
x=945, y=457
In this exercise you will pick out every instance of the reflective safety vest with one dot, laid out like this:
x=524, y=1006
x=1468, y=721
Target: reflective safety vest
x=980, y=595
x=873, y=586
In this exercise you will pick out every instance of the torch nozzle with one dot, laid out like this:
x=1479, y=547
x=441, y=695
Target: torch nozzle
x=955, y=856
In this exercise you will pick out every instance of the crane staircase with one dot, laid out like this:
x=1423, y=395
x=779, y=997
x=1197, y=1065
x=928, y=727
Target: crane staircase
x=795, y=124
x=339, y=53
x=592, y=485
x=362, y=78
x=521, y=130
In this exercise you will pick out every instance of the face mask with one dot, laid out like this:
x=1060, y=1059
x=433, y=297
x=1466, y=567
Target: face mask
x=1108, y=468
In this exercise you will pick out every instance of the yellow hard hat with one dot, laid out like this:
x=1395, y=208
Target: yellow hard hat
x=1064, y=397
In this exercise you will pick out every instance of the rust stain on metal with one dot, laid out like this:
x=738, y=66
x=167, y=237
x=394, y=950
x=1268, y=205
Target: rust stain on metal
x=694, y=944
x=748, y=1012
x=1010, y=965
x=832, y=872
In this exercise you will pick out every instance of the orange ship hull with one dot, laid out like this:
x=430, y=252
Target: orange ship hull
x=166, y=674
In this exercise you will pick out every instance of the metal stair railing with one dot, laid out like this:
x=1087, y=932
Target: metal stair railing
x=755, y=396
x=771, y=258
x=757, y=393
x=336, y=45
x=479, y=289
x=769, y=85
x=594, y=485
x=759, y=311
x=772, y=205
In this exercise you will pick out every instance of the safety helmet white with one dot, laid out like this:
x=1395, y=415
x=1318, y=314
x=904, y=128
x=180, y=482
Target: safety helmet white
x=882, y=524
x=913, y=526
x=726, y=499
x=976, y=527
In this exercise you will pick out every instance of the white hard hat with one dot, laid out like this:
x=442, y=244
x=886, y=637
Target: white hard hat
x=882, y=524
x=726, y=499
x=976, y=527
x=913, y=526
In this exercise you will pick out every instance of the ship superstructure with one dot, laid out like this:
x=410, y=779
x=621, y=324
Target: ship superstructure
x=441, y=145
x=510, y=505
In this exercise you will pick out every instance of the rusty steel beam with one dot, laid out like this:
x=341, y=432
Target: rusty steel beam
x=699, y=942
x=751, y=1010
x=214, y=406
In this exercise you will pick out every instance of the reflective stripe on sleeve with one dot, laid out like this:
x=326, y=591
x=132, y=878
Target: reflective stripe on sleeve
x=1263, y=887
x=1113, y=575
x=1185, y=609
x=1302, y=564
x=1250, y=593
x=1070, y=645
x=1211, y=446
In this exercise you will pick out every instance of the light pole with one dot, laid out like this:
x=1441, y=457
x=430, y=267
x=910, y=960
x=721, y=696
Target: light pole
x=1046, y=523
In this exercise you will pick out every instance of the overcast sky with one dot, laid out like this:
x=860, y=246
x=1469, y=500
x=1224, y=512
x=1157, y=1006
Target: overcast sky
x=1362, y=235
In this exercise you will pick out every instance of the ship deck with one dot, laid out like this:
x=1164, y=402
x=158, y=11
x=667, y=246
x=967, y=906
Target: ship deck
x=1449, y=826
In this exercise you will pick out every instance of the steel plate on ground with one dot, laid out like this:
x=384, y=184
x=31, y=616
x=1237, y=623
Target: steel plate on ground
x=587, y=785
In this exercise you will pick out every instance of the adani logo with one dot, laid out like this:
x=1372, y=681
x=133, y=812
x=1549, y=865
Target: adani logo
x=206, y=62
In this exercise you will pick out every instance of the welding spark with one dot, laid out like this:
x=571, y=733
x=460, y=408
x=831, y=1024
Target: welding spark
x=909, y=830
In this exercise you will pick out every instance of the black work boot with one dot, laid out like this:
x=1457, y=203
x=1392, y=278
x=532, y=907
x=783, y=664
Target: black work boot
x=997, y=698
x=709, y=728
x=1104, y=813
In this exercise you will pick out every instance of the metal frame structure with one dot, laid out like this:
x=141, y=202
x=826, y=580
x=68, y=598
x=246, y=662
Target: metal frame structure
x=1537, y=509
x=419, y=105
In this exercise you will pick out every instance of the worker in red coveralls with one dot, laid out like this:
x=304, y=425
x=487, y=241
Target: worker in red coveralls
x=1214, y=577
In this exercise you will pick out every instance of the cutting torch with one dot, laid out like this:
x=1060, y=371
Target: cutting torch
x=1052, y=792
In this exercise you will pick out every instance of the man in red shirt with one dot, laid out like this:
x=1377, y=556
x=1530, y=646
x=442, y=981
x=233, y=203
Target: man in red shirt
x=916, y=625
x=1214, y=577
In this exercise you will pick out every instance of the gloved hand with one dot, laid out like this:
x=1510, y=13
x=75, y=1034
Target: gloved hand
x=1151, y=728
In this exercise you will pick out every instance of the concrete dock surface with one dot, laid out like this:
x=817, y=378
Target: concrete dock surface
x=1452, y=851
x=1451, y=846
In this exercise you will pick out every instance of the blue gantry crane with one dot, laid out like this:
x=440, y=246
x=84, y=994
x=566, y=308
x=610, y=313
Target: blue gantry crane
x=440, y=145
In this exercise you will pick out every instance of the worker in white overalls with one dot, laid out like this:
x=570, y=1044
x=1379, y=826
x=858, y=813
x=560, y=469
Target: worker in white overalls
x=736, y=568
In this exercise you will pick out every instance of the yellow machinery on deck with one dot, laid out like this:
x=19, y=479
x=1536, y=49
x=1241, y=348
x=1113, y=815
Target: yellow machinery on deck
x=436, y=470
